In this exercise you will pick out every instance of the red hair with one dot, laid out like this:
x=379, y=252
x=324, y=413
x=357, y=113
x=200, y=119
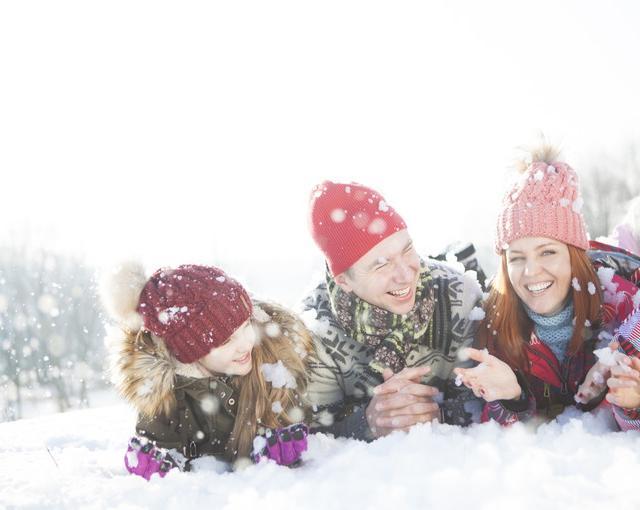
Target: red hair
x=506, y=329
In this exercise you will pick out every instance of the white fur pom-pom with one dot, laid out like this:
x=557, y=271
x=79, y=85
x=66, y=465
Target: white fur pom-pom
x=120, y=290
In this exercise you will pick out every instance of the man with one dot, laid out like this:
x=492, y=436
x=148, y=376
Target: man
x=388, y=326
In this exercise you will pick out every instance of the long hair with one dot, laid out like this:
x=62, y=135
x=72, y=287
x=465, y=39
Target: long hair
x=283, y=337
x=506, y=329
x=137, y=357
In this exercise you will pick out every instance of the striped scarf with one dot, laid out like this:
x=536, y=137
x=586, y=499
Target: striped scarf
x=390, y=335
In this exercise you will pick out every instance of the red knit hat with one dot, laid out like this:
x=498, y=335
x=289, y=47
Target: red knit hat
x=347, y=220
x=193, y=309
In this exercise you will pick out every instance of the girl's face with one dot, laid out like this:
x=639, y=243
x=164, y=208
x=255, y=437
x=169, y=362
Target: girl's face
x=540, y=272
x=234, y=356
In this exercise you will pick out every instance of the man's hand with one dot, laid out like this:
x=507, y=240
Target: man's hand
x=401, y=401
x=492, y=379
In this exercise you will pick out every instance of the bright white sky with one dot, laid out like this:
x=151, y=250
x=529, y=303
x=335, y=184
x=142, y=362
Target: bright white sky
x=193, y=131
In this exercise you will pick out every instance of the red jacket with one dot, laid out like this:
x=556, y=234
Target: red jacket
x=551, y=386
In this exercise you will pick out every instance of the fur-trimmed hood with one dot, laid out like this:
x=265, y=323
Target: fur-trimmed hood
x=141, y=367
x=143, y=370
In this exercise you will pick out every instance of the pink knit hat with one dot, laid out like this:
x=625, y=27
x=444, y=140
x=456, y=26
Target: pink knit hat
x=193, y=308
x=347, y=220
x=545, y=202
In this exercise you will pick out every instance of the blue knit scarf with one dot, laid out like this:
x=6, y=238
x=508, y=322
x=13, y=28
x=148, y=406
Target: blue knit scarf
x=555, y=330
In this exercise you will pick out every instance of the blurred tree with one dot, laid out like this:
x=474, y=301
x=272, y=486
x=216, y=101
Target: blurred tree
x=607, y=187
x=50, y=330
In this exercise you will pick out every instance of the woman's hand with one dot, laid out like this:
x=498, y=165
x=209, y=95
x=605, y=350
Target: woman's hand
x=595, y=382
x=624, y=384
x=492, y=379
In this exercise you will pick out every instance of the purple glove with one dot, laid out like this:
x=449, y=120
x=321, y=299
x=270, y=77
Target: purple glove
x=284, y=445
x=144, y=459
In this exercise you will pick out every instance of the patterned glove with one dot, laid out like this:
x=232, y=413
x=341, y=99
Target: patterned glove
x=283, y=445
x=144, y=459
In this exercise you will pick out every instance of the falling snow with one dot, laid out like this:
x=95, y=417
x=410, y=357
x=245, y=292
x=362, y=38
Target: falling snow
x=278, y=375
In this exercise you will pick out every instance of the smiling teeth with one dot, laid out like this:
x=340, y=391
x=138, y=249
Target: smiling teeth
x=537, y=287
x=400, y=293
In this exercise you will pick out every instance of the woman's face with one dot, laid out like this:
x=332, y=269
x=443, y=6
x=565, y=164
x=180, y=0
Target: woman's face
x=540, y=272
x=234, y=356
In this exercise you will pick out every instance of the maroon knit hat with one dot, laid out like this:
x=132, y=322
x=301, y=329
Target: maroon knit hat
x=193, y=309
x=347, y=220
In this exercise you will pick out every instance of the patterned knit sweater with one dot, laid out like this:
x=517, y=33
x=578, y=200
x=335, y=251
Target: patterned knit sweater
x=340, y=386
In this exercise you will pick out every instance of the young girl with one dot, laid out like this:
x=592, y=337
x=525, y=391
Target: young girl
x=207, y=369
x=549, y=303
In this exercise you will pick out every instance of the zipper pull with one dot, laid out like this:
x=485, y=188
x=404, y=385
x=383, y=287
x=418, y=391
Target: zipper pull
x=547, y=392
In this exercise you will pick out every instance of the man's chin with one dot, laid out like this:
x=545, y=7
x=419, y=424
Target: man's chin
x=400, y=308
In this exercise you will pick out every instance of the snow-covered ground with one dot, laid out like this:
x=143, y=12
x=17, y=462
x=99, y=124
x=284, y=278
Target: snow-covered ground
x=575, y=463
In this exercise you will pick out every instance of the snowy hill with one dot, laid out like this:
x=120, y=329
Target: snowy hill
x=576, y=463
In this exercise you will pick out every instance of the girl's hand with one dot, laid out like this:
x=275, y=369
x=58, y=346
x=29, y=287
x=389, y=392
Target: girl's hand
x=144, y=459
x=624, y=384
x=283, y=445
x=492, y=379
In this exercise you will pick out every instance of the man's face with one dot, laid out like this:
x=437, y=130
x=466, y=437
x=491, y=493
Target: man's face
x=387, y=275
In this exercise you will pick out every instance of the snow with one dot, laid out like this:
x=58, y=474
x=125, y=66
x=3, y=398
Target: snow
x=577, y=463
x=598, y=378
x=576, y=284
x=338, y=215
x=276, y=407
x=591, y=288
x=260, y=315
x=606, y=356
x=272, y=329
x=611, y=294
x=539, y=175
x=377, y=226
x=606, y=274
x=170, y=314
x=278, y=375
x=452, y=262
x=577, y=205
x=476, y=314
x=145, y=388
x=259, y=443
x=210, y=405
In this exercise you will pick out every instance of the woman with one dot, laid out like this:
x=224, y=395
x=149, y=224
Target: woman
x=549, y=303
x=206, y=368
